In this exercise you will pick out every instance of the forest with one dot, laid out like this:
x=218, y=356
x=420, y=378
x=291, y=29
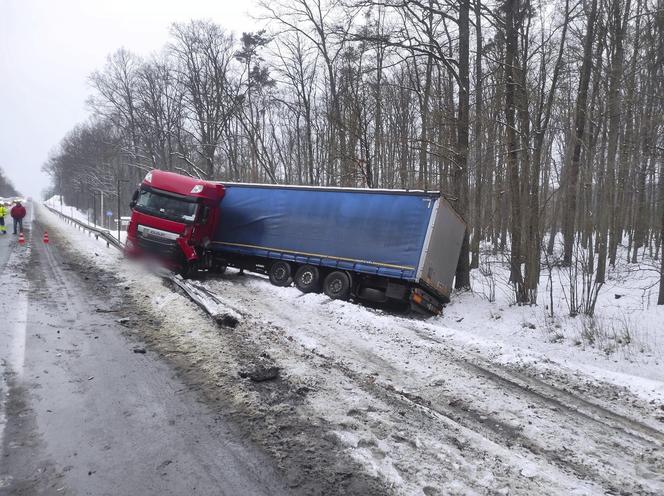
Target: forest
x=7, y=189
x=541, y=122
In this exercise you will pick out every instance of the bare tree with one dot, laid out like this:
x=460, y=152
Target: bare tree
x=512, y=27
x=160, y=119
x=204, y=54
x=327, y=28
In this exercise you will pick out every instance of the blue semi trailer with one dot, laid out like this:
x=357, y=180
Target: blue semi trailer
x=372, y=244
x=378, y=245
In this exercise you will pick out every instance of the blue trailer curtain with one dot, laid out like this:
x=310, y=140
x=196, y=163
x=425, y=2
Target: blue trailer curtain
x=370, y=229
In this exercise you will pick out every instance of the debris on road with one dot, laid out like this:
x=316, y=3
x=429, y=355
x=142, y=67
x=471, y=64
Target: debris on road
x=261, y=374
x=226, y=320
x=139, y=350
x=209, y=302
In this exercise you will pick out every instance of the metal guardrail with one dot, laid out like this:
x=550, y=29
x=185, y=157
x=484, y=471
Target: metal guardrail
x=97, y=231
x=221, y=313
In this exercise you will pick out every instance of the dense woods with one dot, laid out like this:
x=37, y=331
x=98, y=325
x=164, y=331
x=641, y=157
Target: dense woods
x=7, y=189
x=540, y=122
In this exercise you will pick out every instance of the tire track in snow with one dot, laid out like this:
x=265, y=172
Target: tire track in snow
x=477, y=425
x=616, y=440
x=558, y=397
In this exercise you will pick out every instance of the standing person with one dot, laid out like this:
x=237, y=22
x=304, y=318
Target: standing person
x=18, y=212
x=3, y=212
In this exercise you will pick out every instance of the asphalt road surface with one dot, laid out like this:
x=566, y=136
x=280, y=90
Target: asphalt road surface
x=82, y=414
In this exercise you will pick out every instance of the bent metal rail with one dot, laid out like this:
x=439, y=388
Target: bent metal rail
x=214, y=307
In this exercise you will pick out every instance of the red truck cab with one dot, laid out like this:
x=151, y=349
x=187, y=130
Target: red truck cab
x=173, y=218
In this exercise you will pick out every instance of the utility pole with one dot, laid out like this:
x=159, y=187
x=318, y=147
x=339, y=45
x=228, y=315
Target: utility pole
x=118, y=212
x=119, y=204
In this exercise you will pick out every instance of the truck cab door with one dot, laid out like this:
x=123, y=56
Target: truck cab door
x=204, y=215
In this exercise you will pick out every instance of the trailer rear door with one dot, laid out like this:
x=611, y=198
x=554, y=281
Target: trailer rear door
x=442, y=247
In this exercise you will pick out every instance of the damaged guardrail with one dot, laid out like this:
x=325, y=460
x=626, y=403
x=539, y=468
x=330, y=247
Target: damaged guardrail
x=221, y=313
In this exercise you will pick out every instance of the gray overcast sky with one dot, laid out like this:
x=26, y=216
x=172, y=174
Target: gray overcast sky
x=48, y=48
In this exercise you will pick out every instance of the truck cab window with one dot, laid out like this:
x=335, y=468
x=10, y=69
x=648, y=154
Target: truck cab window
x=166, y=206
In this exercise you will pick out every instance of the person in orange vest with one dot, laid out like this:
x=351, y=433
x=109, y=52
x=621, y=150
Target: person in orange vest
x=3, y=212
x=18, y=212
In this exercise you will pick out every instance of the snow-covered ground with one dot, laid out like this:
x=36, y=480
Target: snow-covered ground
x=488, y=398
x=623, y=343
x=488, y=402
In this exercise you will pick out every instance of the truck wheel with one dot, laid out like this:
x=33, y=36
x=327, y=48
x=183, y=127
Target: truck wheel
x=188, y=270
x=280, y=274
x=307, y=279
x=337, y=285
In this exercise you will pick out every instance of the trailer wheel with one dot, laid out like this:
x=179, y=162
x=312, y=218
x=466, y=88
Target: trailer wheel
x=280, y=273
x=337, y=285
x=219, y=268
x=307, y=279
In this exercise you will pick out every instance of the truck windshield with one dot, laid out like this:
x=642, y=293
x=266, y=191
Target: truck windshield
x=168, y=207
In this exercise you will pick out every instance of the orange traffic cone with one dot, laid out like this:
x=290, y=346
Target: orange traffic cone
x=21, y=239
x=45, y=238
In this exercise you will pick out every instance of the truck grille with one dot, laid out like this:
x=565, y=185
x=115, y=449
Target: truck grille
x=164, y=247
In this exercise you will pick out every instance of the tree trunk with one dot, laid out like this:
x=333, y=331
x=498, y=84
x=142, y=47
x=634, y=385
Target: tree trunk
x=572, y=175
x=424, y=131
x=462, y=279
x=614, y=129
x=534, y=235
x=511, y=35
x=479, y=105
x=619, y=20
x=660, y=300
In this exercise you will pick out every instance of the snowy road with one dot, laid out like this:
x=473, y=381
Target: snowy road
x=365, y=397
x=82, y=414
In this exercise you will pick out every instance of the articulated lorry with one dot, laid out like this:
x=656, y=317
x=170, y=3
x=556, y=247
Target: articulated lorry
x=378, y=245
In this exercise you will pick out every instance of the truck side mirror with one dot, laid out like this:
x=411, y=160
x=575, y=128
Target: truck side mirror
x=134, y=200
